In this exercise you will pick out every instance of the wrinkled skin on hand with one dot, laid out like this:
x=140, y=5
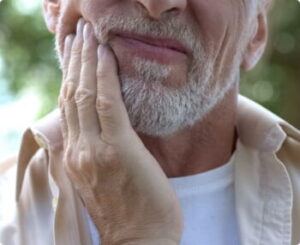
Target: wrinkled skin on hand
x=122, y=185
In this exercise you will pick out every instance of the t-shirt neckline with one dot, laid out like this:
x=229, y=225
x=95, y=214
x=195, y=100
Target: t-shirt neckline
x=211, y=180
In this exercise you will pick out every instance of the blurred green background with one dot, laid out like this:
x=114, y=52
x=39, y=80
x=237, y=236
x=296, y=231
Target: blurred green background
x=30, y=78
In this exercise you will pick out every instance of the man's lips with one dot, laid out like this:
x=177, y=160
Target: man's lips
x=155, y=41
x=163, y=50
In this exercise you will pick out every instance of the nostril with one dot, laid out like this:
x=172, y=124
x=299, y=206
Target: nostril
x=140, y=6
x=173, y=11
x=156, y=9
x=147, y=9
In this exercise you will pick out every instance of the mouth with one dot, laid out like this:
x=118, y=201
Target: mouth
x=163, y=50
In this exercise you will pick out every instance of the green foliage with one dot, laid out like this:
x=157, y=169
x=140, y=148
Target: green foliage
x=29, y=61
x=26, y=47
x=275, y=82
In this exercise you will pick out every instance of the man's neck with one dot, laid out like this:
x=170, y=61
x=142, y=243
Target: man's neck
x=205, y=146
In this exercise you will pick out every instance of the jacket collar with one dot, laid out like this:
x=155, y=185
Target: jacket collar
x=267, y=133
x=263, y=189
x=257, y=128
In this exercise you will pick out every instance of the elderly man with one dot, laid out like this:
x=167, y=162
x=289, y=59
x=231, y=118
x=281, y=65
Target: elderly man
x=151, y=143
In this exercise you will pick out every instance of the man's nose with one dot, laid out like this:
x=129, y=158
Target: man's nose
x=156, y=8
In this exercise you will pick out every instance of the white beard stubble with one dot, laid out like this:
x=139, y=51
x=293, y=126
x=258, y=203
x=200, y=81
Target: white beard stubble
x=154, y=108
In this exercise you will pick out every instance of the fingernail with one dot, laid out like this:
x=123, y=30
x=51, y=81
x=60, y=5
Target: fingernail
x=67, y=44
x=69, y=94
x=101, y=51
x=79, y=27
x=68, y=41
x=87, y=30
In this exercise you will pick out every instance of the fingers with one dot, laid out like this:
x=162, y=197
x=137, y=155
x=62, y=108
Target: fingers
x=71, y=84
x=110, y=107
x=67, y=54
x=66, y=60
x=91, y=94
x=87, y=90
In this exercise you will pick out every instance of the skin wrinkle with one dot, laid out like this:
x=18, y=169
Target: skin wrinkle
x=190, y=121
x=177, y=109
x=171, y=114
x=184, y=112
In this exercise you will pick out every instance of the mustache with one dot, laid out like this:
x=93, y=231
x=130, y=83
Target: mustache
x=166, y=28
x=172, y=28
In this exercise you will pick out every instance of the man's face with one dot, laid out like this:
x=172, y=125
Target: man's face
x=176, y=58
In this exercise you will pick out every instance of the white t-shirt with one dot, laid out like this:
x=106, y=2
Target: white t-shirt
x=208, y=205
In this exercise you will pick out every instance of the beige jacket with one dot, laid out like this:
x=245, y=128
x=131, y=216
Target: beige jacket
x=267, y=184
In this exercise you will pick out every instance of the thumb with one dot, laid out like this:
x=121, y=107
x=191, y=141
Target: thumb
x=111, y=110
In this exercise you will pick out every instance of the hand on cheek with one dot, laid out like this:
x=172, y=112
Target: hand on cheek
x=90, y=98
x=103, y=156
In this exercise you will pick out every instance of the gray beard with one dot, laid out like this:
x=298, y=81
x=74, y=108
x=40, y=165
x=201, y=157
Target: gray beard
x=154, y=108
x=157, y=110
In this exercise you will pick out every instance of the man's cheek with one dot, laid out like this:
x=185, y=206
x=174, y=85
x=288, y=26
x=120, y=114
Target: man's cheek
x=124, y=59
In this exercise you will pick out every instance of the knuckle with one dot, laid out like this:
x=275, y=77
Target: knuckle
x=69, y=89
x=109, y=154
x=65, y=71
x=68, y=154
x=77, y=47
x=69, y=80
x=83, y=164
x=109, y=162
x=104, y=104
x=63, y=90
x=60, y=102
x=80, y=165
x=67, y=160
x=84, y=95
x=85, y=161
x=87, y=55
x=74, y=159
x=76, y=51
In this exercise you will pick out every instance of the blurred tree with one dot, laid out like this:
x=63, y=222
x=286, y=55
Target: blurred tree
x=28, y=61
x=275, y=82
x=25, y=45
